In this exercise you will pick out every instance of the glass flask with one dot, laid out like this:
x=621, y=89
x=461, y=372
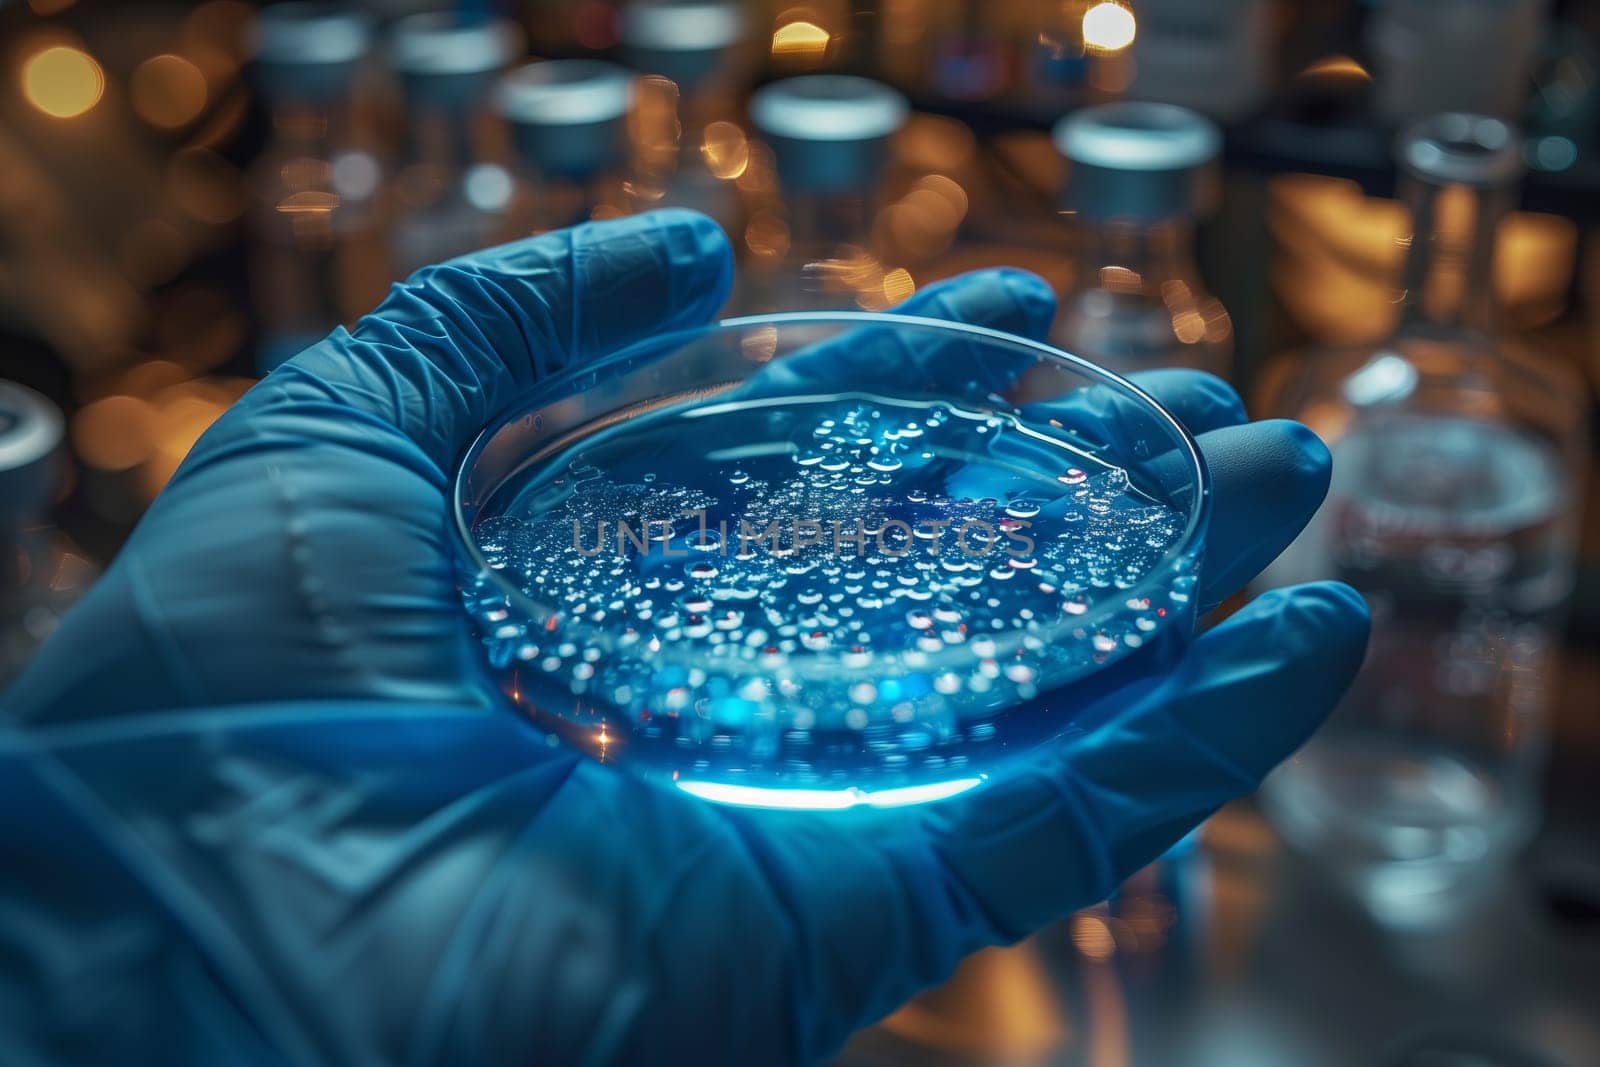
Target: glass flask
x=317, y=256
x=690, y=147
x=451, y=199
x=829, y=136
x=779, y=561
x=1492, y=45
x=1214, y=57
x=41, y=572
x=1139, y=176
x=1453, y=509
x=568, y=121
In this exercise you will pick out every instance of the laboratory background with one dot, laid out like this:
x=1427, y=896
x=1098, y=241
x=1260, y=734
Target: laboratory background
x=1337, y=205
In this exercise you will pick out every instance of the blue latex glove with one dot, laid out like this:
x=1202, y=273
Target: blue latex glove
x=255, y=805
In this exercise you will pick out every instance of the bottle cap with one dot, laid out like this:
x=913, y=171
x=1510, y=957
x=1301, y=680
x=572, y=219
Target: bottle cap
x=449, y=58
x=441, y=42
x=308, y=48
x=1456, y=148
x=828, y=130
x=828, y=107
x=567, y=116
x=31, y=431
x=681, y=41
x=1139, y=160
x=308, y=33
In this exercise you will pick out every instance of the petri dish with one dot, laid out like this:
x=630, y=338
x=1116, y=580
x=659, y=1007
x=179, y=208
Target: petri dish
x=818, y=560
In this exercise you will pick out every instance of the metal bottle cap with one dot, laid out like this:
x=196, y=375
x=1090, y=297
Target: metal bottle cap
x=440, y=42
x=1456, y=148
x=307, y=49
x=310, y=33
x=681, y=41
x=567, y=116
x=1139, y=160
x=31, y=432
x=828, y=130
x=449, y=59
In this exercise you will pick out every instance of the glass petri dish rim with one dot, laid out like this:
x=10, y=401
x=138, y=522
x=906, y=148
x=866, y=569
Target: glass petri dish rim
x=1186, y=545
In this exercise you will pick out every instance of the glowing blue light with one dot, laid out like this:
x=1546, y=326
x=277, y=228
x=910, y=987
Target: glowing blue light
x=1386, y=378
x=1552, y=153
x=826, y=799
x=488, y=187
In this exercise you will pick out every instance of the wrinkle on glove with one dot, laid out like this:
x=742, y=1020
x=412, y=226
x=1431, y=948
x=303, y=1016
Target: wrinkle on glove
x=256, y=805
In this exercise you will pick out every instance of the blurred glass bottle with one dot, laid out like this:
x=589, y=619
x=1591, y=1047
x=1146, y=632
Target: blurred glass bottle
x=1214, y=57
x=1139, y=176
x=1457, y=466
x=41, y=573
x=451, y=199
x=1491, y=47
x=568, y=121
x=690, y=147
x=317, y=256
x=829, y=136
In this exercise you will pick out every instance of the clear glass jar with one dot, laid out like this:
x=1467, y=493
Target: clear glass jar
x=829, y=136
x=41, y=572
x=568, y=124
x=1454, y=507
x=1140, y=175
x=452, y=198
x=317, y=256
x=690, y=146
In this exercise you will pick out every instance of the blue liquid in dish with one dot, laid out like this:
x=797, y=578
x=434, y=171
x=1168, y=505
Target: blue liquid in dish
x=829, y=597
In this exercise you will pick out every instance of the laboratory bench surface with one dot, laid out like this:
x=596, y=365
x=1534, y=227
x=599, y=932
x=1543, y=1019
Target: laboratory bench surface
x=1236, y=954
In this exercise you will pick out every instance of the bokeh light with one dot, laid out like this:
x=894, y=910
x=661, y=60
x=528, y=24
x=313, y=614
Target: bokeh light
x=206, y=186
x=488, y=187
x=1108, y=27
x=168, y=91
x=898, y=285
x=182, y=413
x=113, y=433
x=1337, y=66
x=726, y=150
x=1092, y=936
x=62, y=81
x=800, y=39
x=767, y=235
x=216, y=39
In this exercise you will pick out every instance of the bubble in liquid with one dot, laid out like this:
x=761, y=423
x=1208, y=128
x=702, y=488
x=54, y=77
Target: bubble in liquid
x=904, y=639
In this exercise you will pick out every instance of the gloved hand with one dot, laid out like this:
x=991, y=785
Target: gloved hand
x=255, y=805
